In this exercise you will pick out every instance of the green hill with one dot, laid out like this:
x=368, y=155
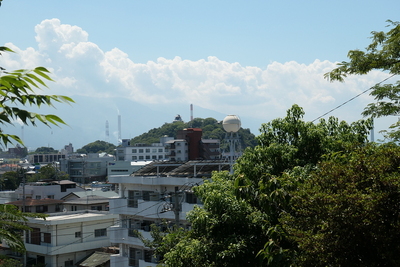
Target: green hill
x=212, y=129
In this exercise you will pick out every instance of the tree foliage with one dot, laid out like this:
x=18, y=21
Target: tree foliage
x=48, y=172
x=239, y=224
x=10, y=180
x=18, y=89
x=224, y=232
x=346, y=213
x=382, y=54
x=45, y=150
x=285, y=145
x=212, y=129
x=98, y=147
x=12, y=224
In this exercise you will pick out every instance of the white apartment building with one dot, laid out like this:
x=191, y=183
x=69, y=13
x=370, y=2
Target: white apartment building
x=65, y=238
x=142, y=152
x=44, y=190
x=159, y=191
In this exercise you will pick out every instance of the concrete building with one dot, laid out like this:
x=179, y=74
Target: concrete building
x=65, y=238
x=142, y=152
x=86, y=168
x=159, y=191
x=47, y=190
x=124, y=167
x=190, y=146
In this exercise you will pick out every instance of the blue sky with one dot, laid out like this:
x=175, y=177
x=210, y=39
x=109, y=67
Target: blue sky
x=250, y=58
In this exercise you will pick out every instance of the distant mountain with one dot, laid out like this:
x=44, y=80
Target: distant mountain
x=212, y=129
x=87, y=118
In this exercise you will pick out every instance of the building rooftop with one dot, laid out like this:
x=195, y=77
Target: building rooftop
x=36, y=202
x=193, y=168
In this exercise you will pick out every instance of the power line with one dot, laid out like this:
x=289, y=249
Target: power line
x=351, y=99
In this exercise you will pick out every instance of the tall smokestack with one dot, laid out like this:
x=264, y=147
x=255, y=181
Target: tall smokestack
x=191, y=112
x=119, y=129
x=107, y=132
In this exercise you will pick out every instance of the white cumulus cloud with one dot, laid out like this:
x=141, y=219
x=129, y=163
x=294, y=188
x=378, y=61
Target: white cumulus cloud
x=81, y=67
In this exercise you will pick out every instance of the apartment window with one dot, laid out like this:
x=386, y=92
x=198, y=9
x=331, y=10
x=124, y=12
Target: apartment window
x=141, y=157
x=147, y=156
x=100, y=232
x=46, y=238
x=134, y=150
x=141, y=150
x=134, y=157
x=121, y=158
x=41, y=209
x=78, y=234
x=154, y=150
x=50, y=196
x=154, y=157
x=147, y=150
x=69, y=263
x=96, y=208
x=160, y=156
x=37, y=197
x=160, y=150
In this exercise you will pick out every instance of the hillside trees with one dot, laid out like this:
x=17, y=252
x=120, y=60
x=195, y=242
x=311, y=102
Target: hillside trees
x=212, y=129
x=98, y=147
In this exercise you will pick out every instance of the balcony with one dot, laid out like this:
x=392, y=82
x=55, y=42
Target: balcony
x=148, y=209
x=152, y=180
x=117, y=260
x=50, y=249
x=120, y=234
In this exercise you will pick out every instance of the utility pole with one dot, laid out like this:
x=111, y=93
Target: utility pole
x=176, y=207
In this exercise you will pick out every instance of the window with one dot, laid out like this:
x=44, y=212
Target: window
x=154, y=157
x=141, y=150
x=46, y=238
x=69, y=263
x=140, y=157
x=160, y=150
x=96, y=208
x=134, y=157
x=160, y=157
x=41, y=209
x=78, y=234
x=37, y=197
x=147, y=150
x=147, y=156
x=154, y=150
x=50, y=196
x=100, y=232
x=134, y=150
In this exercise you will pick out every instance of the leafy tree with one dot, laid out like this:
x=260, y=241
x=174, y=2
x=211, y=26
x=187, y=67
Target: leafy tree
x=224, y=232
x=285, y=144
x=97, y=147
x=45, y=150
x=10, y=180
x=48, y=172
x=11, y=226
x=9, y=262
x=346, y=213
x=17, y=88
x=382, y=54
